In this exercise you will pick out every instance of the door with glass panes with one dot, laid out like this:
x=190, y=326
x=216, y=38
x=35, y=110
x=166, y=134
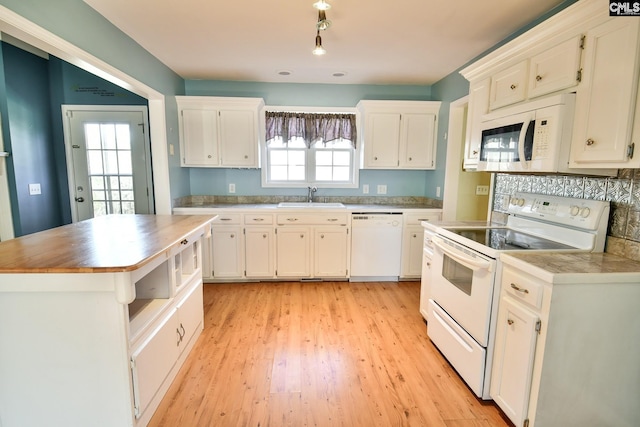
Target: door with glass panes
x=108, y=160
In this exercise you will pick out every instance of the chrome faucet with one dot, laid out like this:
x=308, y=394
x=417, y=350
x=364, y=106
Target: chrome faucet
x=310, y=194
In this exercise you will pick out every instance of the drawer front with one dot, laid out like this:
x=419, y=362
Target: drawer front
x=416, y=218
x=227, y=219
x=313, y=219
x=523, y=287
x=258, y=219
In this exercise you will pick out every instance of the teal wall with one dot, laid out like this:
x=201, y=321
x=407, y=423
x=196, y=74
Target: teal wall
x=248, y=182
x=79, y=24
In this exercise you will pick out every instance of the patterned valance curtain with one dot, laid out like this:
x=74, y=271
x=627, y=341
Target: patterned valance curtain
x=311, y=127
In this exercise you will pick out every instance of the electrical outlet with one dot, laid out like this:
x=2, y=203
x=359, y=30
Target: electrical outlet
x=365, y=189
x=232, y=188
x=482, y=190
x=34, y=189
x=437, y=191
x=382, y=189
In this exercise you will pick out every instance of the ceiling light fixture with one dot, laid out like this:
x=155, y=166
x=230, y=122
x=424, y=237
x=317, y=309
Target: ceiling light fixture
x=319, y=50
x=322, y=5
x=323, y=22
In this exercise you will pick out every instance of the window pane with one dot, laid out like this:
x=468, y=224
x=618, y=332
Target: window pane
x=92, y=135
x=108, y=132
x=323, y=158
x=97, y=182
x=278, y=157
x=297, y=158
x=110, y=162
x=124, y=162
x=94, y=162
x=123, y=137
x=323, y=173
x=342, y=158
x=114, y=183
x=126, y=182
x=99, y=208
x=296, y=173
x=126, y=195
x=98, y=195
x=116, y=208
x=341, y=173
x=115, y=194
x=128, y=208
x=279, y=173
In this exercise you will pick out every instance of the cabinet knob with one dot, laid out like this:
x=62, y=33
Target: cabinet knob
x=428, y=264
x=513, y=87
x=209, y=156
x=410, y=158
x=475, y=152
x=264, y=236
x=510, y=322
x=302, y=236
x=232, y=236
x=538, y=78
x=590, y=141
x=415, y=235
x=184, y=241
x=322, y=236
x=375, y=158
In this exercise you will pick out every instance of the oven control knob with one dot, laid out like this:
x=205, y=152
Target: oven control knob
x=575, y=210
x=513, y=200
x=521, y=202
x=585, y=212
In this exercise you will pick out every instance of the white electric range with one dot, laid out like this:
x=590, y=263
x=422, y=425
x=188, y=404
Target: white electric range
x=466, y=271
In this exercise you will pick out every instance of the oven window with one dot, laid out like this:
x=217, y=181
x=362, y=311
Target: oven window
x=457, y=274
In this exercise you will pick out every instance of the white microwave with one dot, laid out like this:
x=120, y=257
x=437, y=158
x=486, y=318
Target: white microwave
x=531, y=137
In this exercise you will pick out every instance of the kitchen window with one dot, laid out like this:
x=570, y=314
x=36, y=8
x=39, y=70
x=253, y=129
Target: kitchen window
x=310, y=149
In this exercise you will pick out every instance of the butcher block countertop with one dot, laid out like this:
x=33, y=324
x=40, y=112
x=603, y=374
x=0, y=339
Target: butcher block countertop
x=106, y=244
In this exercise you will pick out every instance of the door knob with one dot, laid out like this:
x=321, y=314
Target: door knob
x=80, y=199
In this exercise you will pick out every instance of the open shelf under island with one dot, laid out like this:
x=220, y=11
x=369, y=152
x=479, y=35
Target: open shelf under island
x=97, y=317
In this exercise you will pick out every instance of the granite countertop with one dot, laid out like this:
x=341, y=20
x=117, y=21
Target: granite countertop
x=576, y=267
x=274, y=206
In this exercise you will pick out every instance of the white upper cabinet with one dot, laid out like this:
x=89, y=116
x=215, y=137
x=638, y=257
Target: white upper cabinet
x=399, y=134
x=605, y=101
x=580, y=49
x=556, y=68
x=509, y=86
x=477, y=107
x=219, y=132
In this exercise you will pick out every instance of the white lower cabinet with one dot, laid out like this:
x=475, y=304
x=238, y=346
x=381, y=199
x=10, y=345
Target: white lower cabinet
x=227, y=252
x=293, y=249
x=259, y=246
x=330, y=251
x=514, y=355
x=413, y=241
x=154, y=358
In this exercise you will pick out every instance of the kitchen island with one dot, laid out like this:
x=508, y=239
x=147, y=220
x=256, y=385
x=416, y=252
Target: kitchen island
x=97, y=317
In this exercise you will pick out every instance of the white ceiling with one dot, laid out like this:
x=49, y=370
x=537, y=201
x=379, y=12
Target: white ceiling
x=372, y=41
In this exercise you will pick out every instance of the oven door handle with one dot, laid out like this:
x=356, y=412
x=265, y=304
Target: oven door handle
x=471, y=263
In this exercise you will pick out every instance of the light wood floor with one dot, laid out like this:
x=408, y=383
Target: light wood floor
x=318, y=354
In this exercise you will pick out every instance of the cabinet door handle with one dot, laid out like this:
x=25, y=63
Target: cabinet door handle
x=538, y=78
x=292, y=219
x=225, y=219
x=510, y=322
x=232, y=236
x=375, y=158
x=322, y=236
x=258, y=219
x=332, y=219
x=513, y=87
x=179, y=337
x=264, y=236
x=302, y=236
x=590, y=141
x=184, y=241
x=209, y=156
x=415, y=235
x=410, y=158
x=519, y=289
x=183, y=331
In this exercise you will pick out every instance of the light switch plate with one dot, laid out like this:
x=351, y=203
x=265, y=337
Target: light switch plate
x=482, y=190
x=34, y=189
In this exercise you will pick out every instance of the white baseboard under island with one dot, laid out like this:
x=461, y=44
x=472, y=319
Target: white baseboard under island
x=97, y=317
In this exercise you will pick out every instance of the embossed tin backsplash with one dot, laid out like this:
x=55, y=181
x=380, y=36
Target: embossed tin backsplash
x=623, y=191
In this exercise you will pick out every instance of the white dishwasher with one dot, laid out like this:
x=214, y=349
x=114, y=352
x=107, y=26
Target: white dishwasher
x=376, y=245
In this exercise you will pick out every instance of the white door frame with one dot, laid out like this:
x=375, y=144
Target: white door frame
x=22, y=29
x=455, y=134
x=6, y=217
x=69, y=151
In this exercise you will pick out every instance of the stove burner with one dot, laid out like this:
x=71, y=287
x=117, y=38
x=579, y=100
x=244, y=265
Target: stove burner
x=507, y=239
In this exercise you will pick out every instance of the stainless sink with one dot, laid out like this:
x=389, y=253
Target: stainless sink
x=307, y=205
